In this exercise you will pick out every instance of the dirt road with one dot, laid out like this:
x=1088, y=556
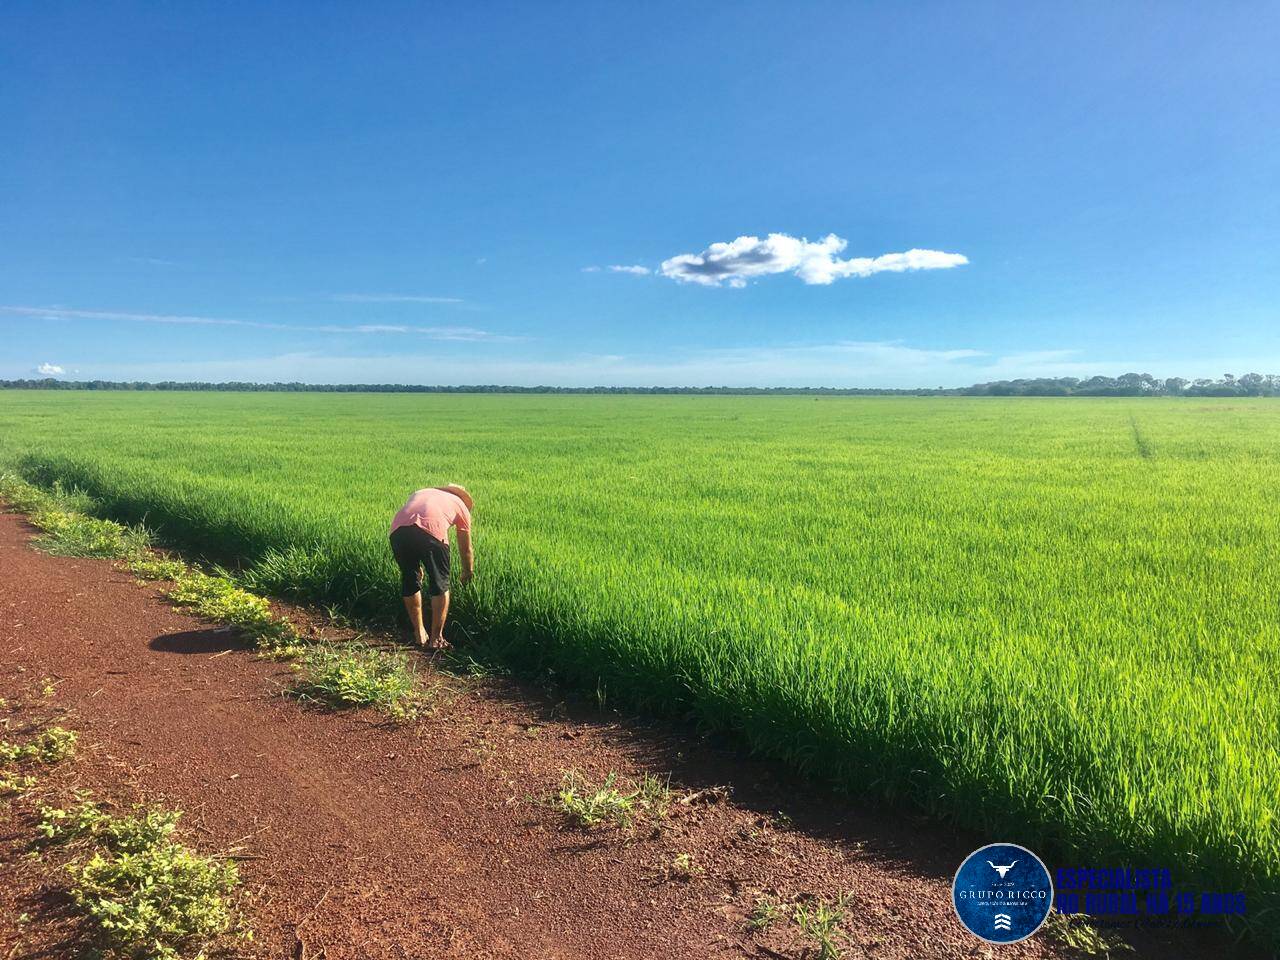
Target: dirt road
x=370, y=841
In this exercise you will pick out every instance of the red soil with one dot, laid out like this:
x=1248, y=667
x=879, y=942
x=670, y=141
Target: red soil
x=368, y=841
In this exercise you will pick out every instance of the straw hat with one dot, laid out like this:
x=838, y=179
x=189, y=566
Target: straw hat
x=459, y=491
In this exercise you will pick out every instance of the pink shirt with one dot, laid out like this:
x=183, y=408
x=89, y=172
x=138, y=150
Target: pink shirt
x=435, y=511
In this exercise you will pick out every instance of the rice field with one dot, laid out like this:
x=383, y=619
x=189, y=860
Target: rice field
x=1053, y=620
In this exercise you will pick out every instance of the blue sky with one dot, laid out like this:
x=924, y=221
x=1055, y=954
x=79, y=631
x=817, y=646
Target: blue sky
x=418, y=193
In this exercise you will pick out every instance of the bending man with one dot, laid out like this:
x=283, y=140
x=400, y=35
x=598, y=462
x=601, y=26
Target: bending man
x=420, y=540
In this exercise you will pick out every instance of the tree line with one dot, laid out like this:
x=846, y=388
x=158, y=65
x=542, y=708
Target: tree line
x=1127, y=385
x=1130, y=385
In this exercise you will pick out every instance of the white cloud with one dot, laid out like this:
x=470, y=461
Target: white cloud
x=813, y=262
x=634, y=269
x=50, y=370
x=435, y=333
x=152, y=261
x=432, y=333
x=390, y=298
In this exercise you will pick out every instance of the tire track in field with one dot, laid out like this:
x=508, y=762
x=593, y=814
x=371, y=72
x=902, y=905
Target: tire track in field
x=1144, y=446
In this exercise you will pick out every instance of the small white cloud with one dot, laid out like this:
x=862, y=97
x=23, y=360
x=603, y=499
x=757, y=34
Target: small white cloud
x=463, y=333
x=50, y=370
x=815, y=263
x=636, y=270
x=590, y=269
x=435, y=333
x=152, y=261
x=391, y=298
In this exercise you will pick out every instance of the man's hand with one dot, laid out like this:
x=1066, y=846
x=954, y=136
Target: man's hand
x=468, y=557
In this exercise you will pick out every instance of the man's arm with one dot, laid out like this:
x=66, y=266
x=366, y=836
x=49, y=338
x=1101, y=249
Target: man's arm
x=468, y=557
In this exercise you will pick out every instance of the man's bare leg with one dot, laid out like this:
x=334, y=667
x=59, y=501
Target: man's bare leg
x=413, y=606
x=439, y=610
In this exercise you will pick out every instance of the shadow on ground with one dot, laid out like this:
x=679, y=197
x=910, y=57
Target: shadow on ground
x=206, y=641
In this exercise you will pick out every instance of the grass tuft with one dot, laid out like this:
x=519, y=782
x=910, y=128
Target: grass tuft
x=819, y=922
x=343, y=676
x=588, y=805
x=765, y=913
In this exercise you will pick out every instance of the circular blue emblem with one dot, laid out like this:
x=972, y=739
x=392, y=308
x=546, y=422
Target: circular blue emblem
x=1002, y=893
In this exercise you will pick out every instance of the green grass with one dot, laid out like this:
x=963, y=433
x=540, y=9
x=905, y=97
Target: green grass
x=1051, y=620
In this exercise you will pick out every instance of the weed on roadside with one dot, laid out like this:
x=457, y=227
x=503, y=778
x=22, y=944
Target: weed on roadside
x=145, y=894
x=28, y=498
x=654, y=795
x=12, y=784
x=765, y=913
x=50, y=746
x=1076, y=933
x=349, y=675
x=683, y=867
x=819, y=923
x=815, y=921
x=217, y=598
x=68, y=530
x=152, y=566
x=77, y=535
x=587, y=805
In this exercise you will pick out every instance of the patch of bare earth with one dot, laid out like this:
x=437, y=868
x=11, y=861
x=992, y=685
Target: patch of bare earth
x=365, y=840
